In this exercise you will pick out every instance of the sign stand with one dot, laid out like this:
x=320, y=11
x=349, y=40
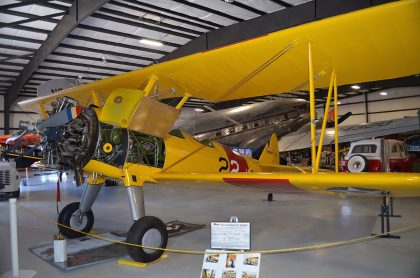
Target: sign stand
x=26, y=273
x=227, y=259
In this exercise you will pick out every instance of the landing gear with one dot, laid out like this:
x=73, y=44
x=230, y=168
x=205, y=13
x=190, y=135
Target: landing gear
x=77, y=215
x=147, y=231
x=387, y=211
x=72, y=217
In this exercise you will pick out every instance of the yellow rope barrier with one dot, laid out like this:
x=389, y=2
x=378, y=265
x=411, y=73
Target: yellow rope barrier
x=196, y=252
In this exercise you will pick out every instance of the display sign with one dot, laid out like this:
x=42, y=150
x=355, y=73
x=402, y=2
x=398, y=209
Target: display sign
x=230, y=265
x=231, y=235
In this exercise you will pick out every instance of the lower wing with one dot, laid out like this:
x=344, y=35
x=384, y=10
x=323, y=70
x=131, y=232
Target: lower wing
x=397, y=184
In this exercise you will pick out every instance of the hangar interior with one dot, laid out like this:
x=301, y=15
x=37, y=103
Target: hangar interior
x=77, y=42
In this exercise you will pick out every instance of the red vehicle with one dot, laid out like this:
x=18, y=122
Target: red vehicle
x=377, y=155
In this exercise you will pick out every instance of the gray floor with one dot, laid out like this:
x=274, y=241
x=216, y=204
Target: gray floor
x=289, y=221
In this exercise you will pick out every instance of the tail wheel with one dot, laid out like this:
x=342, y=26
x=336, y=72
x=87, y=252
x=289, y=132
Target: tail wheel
x=147, y=231
x=357, y=164
x=72, y=217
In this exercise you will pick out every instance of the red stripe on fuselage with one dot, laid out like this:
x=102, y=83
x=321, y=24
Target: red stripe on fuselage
x=236, y=162
x=271, y=185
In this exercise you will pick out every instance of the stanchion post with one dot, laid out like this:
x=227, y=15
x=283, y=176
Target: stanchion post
x=14, y=237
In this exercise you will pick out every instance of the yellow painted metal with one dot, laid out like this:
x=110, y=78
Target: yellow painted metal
x=107, y=148
x=120, y=107
x=94, y=178
x=95, y=98
x=312, y=107
x=377, y=43
x=42, y=111
x=324, y=122
x=336, y=123
x=183, y=101
x=150, y=85
x=398, y=184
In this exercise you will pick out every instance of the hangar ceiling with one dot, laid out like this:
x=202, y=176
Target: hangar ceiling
x=107, y=42
x=118, y=37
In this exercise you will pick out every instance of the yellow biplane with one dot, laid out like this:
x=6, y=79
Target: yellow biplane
x=120, y=128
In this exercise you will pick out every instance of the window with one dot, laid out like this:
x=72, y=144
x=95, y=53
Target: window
x=364, y=149
x=395, y=148
x=207, y=142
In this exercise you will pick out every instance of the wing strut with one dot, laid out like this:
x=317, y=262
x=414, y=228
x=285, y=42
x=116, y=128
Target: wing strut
x=312, y=107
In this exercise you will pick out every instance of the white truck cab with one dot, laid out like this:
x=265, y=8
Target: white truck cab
x=377, y=155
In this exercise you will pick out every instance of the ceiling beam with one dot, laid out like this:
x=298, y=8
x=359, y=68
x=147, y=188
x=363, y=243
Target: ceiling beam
x=96, y=59
x=282, y=3
x=148, y=5
x=207, y=9
x=77, y=12
x=164, y=16
x=21, y=4
x=248, y=8
x=32, y=19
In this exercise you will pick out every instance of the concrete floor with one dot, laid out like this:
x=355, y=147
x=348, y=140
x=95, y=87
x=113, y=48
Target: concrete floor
x=289, y=221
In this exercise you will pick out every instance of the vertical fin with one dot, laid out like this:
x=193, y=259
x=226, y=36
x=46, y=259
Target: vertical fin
x=270, y=154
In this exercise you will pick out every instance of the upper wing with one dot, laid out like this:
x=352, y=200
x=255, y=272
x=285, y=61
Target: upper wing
x=398, y=184
x=378, y=43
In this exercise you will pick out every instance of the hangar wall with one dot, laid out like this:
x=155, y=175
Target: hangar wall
x=398, y=103
x=16, y=115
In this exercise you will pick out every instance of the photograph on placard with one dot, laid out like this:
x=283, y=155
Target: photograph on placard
x=247, y=274
x=212, y=258
x=231, y=261
x=251, y=260
x=229, y=274
x=208, y=273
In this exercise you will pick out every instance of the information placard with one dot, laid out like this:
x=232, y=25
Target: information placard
x=231, y=235
x=230, y=265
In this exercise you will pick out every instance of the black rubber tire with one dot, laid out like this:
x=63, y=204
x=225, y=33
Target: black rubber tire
x=358, y=158
x=15, y=194
x=136, y=233
x=65, y=216
x=270, y=197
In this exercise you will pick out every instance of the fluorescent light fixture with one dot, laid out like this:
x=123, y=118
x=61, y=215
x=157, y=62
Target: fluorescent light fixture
x=356, y=87
x=383, y=93
x=150, y=42
x=300, y=99
x=330, y=132
x=338, y=102
x=199, y=109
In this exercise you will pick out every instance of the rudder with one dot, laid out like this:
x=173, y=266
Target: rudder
x=270, y=154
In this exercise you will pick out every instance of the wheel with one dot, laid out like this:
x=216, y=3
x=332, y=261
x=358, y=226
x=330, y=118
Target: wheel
x=15, y=194
x=270, y=197
x=72, y=217
x=357, y=164
x=147, y=231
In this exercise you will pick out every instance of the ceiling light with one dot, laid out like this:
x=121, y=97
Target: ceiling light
x=356, y=87
x=300, y=99
x=150, y=42
x=330, y=132
x=199, y=109
x=228, y=1
x=338, y=102
x=383, y=93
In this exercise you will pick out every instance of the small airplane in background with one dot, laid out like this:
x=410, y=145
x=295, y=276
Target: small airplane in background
x=119, y=127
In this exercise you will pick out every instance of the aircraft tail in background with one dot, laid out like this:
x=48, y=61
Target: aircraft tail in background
x=270, y=154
